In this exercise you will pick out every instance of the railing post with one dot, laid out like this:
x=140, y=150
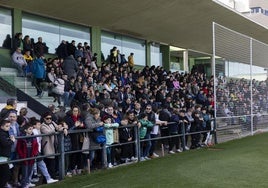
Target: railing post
x=61, y=158
x=183, y=136
x=137, y=142
x=104, y=153
x=215, y=131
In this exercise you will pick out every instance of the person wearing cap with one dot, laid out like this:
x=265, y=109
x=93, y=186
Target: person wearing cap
x=19, y=62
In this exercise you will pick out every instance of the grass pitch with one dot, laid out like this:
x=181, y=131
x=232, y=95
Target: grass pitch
x=234, y=164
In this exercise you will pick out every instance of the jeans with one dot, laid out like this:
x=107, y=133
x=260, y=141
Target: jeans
x=146, y=146
x=153, y=144
x=43, y=168
x=21, y=69
x=68, y=97
x=26, y=174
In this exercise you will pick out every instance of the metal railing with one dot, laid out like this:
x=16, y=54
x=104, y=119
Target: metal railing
x=137, y=142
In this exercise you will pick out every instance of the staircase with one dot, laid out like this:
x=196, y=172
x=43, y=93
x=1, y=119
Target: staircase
x=22, y=89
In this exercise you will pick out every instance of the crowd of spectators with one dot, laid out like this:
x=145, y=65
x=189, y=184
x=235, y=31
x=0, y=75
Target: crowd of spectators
x=113, y=94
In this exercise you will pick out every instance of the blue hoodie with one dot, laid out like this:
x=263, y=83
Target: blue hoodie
x=38, y=68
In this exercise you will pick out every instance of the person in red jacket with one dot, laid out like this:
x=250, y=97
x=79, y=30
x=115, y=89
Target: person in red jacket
x=26, y=148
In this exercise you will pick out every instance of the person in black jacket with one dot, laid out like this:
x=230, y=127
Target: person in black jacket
x=196, y=127
x=6, y=142
x=165, y=115
x=126, y=134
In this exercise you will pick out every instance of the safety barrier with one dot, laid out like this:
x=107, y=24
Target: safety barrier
x=60, y=154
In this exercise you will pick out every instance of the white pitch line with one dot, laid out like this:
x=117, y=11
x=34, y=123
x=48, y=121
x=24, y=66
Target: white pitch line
x=90, y=185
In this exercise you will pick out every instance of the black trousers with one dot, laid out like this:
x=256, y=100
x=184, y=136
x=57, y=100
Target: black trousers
x=5, y=174
x=51, y=166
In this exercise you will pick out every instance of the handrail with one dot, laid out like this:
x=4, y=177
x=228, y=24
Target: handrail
x=61, y=153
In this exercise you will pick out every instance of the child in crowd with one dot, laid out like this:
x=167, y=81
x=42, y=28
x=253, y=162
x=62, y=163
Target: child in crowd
x=109, y=126
x=27, y=147
x=6, y=142
x=39, y=162
x=145, y=124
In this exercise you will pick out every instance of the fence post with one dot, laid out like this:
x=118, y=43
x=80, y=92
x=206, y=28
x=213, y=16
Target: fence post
x=61, y=157
x=104, y=153
x=137, y=142
x=183, y=136
x=215, y=131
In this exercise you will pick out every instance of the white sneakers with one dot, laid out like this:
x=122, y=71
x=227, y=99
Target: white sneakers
x=51, y=181
x=30, y=185
x=155, y=155
x=142, y=159
x=147, y=158
x=110, y=165
x=133, y=158
x=171, y=152
x=179, y=150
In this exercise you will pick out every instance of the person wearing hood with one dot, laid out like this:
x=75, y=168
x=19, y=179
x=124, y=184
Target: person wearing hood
x=39, y=74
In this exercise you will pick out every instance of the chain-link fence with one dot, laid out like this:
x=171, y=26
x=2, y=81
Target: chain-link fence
x=240, y=83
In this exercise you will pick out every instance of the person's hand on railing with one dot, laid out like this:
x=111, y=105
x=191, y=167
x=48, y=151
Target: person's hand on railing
x=12, y=138
x=79, y=124
x=164, y=123
x=65, y=132
x=124, y=122
x=139, y=124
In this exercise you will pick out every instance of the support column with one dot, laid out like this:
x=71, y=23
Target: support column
x=164, y=49
x=16, y=21
x=96, y=42
x=148, y=54
x=185, y=61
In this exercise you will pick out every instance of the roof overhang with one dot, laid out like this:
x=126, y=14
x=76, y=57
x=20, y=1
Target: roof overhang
x=183, y=23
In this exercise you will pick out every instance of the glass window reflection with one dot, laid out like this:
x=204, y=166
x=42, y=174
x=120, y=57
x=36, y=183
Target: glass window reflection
x=125, y=45
x=5, y=25
x=53, y=31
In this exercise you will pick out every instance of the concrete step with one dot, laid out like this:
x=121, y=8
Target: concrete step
x=25, y=85
x=7, y=69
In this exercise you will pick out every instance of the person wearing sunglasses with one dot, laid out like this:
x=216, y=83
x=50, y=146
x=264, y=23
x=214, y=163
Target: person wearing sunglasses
x=49, y=143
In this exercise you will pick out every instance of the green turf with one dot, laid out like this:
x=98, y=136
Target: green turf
x=238, y=163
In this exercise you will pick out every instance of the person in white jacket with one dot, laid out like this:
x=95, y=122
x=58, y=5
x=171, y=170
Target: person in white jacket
x=19, y=62
x=39, y=162
x=109, y=126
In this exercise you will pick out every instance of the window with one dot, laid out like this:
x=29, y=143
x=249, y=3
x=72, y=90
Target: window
x=125, y=45
x=156, y=56
x=53, y=31
x=5, y=25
